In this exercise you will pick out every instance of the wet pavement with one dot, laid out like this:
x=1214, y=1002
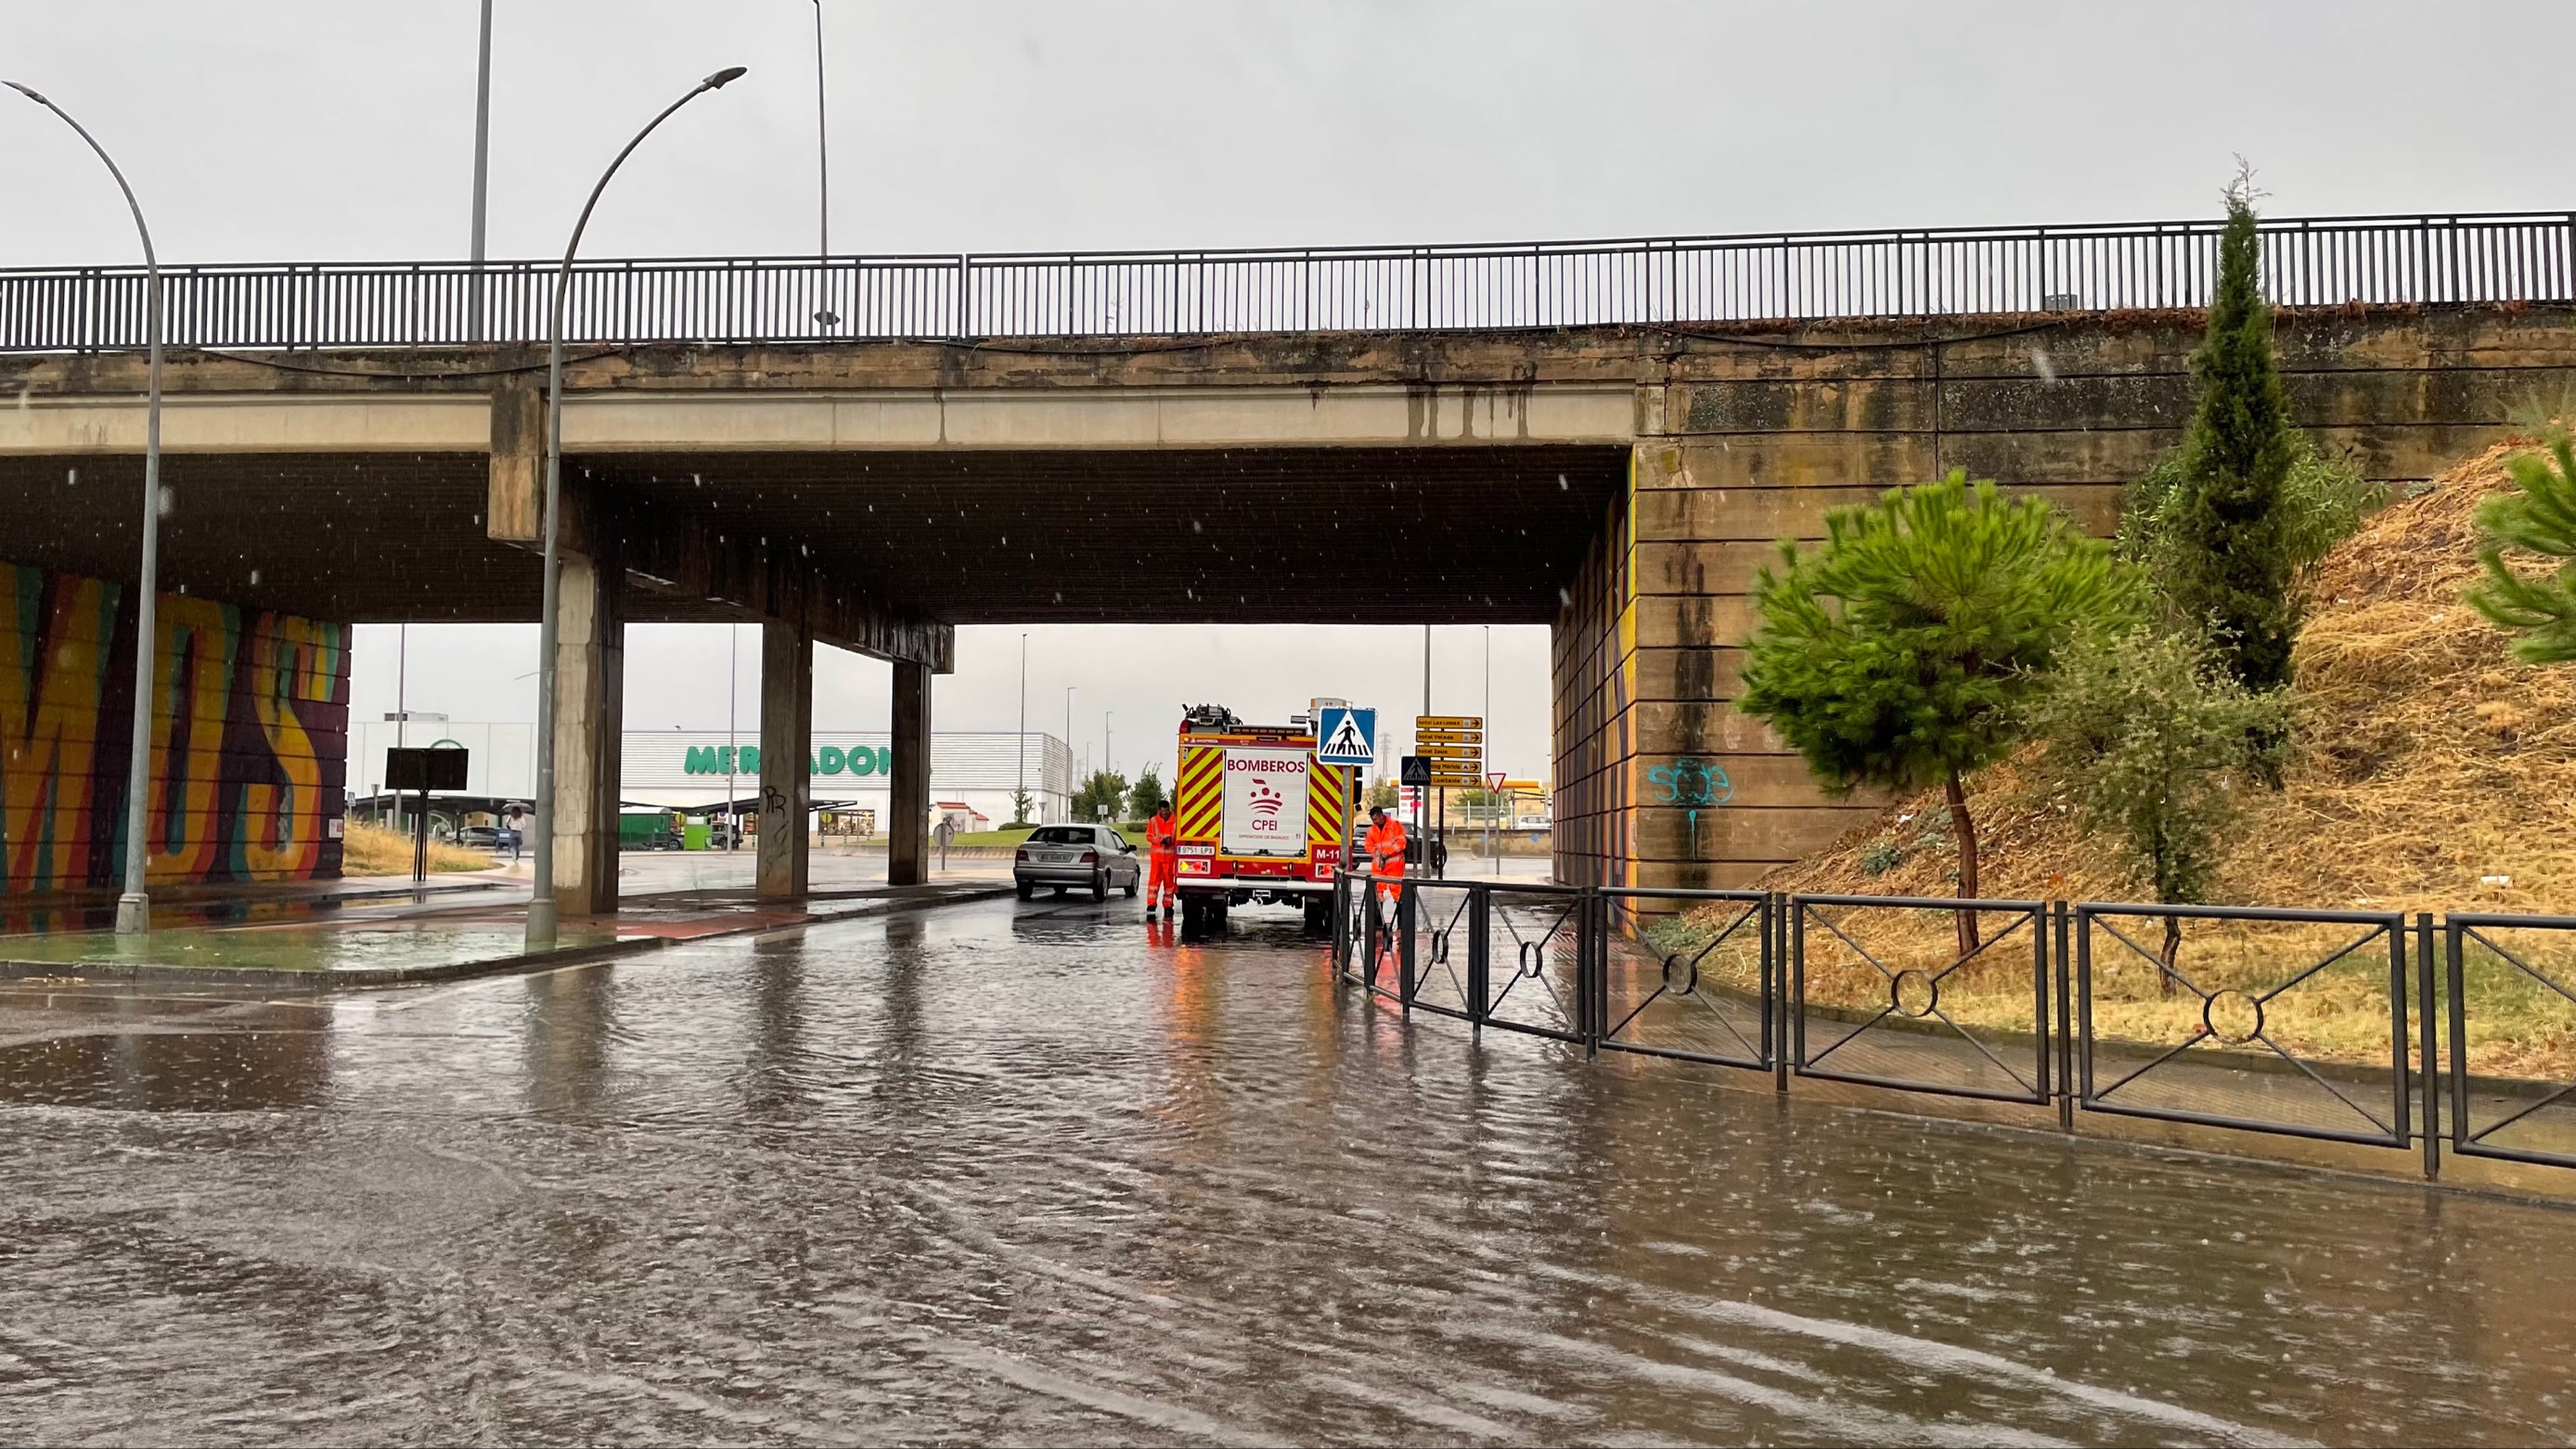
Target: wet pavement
x=1028, y=1173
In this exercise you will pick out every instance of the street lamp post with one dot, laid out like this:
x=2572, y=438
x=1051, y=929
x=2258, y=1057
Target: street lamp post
x=822, y=173
x=482, y=172
x=134, y=906
x=541, y=906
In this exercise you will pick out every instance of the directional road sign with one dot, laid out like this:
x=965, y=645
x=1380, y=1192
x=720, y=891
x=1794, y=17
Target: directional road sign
x=1346, y=736
x=1448, y=721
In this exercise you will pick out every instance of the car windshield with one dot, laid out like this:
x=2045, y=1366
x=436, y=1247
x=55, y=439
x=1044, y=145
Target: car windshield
x=1061, y=835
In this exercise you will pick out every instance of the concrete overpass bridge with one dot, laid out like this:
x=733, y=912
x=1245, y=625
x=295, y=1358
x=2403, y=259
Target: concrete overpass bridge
x=868, y=452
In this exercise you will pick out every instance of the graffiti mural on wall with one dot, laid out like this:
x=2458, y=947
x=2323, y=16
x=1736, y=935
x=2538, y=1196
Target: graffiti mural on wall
x=250, y=725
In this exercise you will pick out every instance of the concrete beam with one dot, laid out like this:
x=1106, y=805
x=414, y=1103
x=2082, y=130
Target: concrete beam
x=786, y=742
x=908, y=811
x=1219, y=415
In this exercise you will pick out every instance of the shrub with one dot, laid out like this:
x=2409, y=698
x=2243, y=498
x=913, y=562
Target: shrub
x=2155, y=743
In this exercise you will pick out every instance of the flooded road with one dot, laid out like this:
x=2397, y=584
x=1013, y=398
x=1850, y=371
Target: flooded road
x=1013, y=1172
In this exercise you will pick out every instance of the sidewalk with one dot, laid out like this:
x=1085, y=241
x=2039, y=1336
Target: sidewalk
x=410, y=940
x=190, y=903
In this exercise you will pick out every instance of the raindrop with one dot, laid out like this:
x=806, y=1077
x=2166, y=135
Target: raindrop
x=168, y=499
x=254, y=583
x=1562, y=486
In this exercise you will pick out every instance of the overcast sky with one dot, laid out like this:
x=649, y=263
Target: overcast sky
x=331, y=130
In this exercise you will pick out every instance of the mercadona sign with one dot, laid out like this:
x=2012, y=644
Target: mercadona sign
x=829, y=760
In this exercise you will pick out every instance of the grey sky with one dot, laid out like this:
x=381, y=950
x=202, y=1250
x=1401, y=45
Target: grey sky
x=319, y=129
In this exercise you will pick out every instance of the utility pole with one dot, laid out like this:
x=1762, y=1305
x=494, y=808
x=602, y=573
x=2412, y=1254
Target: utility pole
x=1074, y=785
x=1020, y=745
x=733, y=689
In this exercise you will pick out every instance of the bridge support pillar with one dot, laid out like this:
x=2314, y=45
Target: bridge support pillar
x=908, y=825
x=590, y=716
x=786, y=743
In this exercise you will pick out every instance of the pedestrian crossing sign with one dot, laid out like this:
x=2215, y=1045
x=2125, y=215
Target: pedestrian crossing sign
x=1346, y=736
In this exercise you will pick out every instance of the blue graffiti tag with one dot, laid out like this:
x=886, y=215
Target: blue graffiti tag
x=1693, y=783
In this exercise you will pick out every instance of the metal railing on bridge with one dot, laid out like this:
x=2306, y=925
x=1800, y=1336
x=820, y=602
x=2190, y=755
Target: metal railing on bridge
x=2514, y=257
x=2325, y=1024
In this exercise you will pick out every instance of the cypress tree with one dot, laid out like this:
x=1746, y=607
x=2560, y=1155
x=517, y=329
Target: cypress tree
x=2235, y=560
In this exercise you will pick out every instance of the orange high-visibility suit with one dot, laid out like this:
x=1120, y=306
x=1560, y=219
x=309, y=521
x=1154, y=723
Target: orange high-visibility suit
x=1385, y=844
x=1162, y=862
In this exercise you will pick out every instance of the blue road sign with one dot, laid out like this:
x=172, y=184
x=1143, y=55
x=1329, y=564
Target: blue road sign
x=1346, y=736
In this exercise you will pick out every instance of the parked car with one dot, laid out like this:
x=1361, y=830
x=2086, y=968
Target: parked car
x=1065, y=856
x=482, y=837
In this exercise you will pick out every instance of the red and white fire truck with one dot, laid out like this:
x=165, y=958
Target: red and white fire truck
x=1258, y=820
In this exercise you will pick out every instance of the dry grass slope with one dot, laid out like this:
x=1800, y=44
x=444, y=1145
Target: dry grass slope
x=2436, y=774
x=2432, y=759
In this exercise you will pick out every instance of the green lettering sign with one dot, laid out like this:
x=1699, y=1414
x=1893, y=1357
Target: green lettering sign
x=745, y=760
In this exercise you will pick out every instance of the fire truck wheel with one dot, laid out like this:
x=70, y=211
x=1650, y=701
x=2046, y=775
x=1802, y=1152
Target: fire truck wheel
x=1319, y=915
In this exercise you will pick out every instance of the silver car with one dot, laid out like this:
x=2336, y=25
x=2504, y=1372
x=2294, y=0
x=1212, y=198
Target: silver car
x=1065, y=856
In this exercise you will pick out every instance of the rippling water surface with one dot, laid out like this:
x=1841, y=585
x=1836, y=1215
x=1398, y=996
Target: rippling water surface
x=1018, y=1173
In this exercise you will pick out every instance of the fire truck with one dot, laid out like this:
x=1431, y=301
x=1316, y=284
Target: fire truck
x=1259, y=821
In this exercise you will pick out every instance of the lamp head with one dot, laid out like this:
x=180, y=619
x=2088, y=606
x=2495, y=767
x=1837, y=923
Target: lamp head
x=726, y=77
x=28, y=91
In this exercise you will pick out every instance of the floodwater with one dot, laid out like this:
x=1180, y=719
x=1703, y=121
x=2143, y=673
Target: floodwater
x=1025, y=1173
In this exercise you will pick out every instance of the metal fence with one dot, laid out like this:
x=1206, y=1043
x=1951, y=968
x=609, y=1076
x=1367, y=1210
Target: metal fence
x=2317, y=1024
x=2329, y=261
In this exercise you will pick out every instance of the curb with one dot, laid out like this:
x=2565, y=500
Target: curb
x=86, y=973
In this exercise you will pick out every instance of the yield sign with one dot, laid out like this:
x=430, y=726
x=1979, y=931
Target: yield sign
x=1346, y=736
x=1494, y=782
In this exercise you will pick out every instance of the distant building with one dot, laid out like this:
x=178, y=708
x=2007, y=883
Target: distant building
x=973, y=772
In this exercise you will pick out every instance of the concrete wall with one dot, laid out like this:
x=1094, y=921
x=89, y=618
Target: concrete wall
x=249, y=738
x=1741, y=444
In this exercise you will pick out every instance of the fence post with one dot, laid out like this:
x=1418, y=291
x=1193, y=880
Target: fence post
x=2065, y=1027
x=1591, y=925
x=1795, y=1006
x=1341, y=922
x=1407, y=910
x=1775, y=1014
x=1480, y=953
x=2426, y=1011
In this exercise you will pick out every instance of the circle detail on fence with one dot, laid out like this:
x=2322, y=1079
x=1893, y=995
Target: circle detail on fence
x=1533, y=957
x=1681, y=977
x=1913, y=994
x=2232, y=1016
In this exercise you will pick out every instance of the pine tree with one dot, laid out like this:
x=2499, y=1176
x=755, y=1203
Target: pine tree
x=1896, y=656
x=2233, y=564
x=2538, y=518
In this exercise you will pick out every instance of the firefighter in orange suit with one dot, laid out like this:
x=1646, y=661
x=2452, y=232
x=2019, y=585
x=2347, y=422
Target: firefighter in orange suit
x=1163, y=864
x=1385, y=845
